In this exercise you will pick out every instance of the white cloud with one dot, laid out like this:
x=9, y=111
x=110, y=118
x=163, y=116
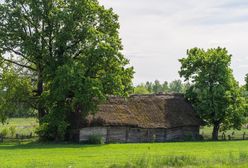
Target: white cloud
x=157, y=33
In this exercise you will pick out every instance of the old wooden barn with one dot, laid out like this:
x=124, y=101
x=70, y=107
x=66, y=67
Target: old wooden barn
x=143, y=118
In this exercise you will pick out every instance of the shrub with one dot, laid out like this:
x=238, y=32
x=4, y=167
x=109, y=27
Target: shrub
x=95, y=139
x=4, y=132
x=12, y=130
x=52, y=130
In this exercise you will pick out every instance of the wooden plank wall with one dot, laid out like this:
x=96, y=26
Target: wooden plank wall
x=126, y=134
x=116, y=134
x=85, y=133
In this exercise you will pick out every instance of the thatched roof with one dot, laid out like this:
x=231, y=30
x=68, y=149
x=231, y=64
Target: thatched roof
x=146, y=111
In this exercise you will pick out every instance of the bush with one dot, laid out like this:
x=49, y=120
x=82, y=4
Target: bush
x=4, y=132
x=52, y=128
x=95, y=139
x=12, y=130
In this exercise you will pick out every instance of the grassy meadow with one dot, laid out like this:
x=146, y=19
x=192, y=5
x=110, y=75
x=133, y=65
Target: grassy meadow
x=25, y=126
x=159, y=155
x=22, y=126
x=206, y=132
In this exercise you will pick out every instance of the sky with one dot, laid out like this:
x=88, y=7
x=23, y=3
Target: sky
x=155, y=34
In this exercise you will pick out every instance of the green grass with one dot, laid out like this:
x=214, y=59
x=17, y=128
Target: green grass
x=23, y=154
x=23, y=126
x=26, y=126
x=206, y=132
x=190, y=154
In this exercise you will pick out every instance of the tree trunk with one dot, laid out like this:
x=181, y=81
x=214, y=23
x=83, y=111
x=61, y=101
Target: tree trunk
x=215, y=131
x=75, y=123
x=41, y=109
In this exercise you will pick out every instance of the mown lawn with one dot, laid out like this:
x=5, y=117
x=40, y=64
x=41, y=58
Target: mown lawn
x=158, y=155
x=187, y=154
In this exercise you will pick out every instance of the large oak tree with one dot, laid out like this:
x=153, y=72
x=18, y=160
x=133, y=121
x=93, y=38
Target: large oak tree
x=71, y=51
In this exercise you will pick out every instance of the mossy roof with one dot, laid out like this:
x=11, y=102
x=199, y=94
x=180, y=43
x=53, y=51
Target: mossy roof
x=145, y=111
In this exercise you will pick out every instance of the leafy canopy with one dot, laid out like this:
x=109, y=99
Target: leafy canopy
x=14, y=92
x=176, y=86
x=214, y=92
x=72, y=51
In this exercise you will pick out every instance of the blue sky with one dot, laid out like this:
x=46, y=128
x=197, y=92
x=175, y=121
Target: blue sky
x=157, y=33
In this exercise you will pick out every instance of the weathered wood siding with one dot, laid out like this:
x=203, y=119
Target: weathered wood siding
x=157, y=135
x=116, y=134
x=126, y=134
x=85, y=133
x=191, y=131
x=174, y=134
x=137, y=135
x=182, y=132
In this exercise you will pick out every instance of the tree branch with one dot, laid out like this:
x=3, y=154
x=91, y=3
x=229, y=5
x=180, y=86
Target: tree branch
x=18, y=53
x=18, y=64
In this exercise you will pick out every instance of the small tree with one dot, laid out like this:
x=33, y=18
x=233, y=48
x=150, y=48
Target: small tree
x=165, y=87
x=176, y=86
x=214, y=92
x=141, y=89
x=149, y=85
x=157, y=87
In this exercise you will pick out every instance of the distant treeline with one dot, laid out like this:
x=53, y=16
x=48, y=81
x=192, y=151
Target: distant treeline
x=176, y=86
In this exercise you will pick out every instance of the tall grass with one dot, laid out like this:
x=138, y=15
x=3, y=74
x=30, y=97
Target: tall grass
x=231, y=160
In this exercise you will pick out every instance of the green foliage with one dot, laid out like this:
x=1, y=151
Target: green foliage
x=51, y=132
x=214, y=92
x=157, y=87
x=165, y=87
x=246, y=81
x=141, y=89
x=176, y=86
x=4, y=132
x=95, y=139
x=12, y=130
x=21, y=126
x=149, y=86
x=71, y=53
x=15, y=92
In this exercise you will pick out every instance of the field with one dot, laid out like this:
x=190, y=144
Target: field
x=25, y=126
x=190, y=154
x=159, y=155
x=206, y=132
x=22, y=126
